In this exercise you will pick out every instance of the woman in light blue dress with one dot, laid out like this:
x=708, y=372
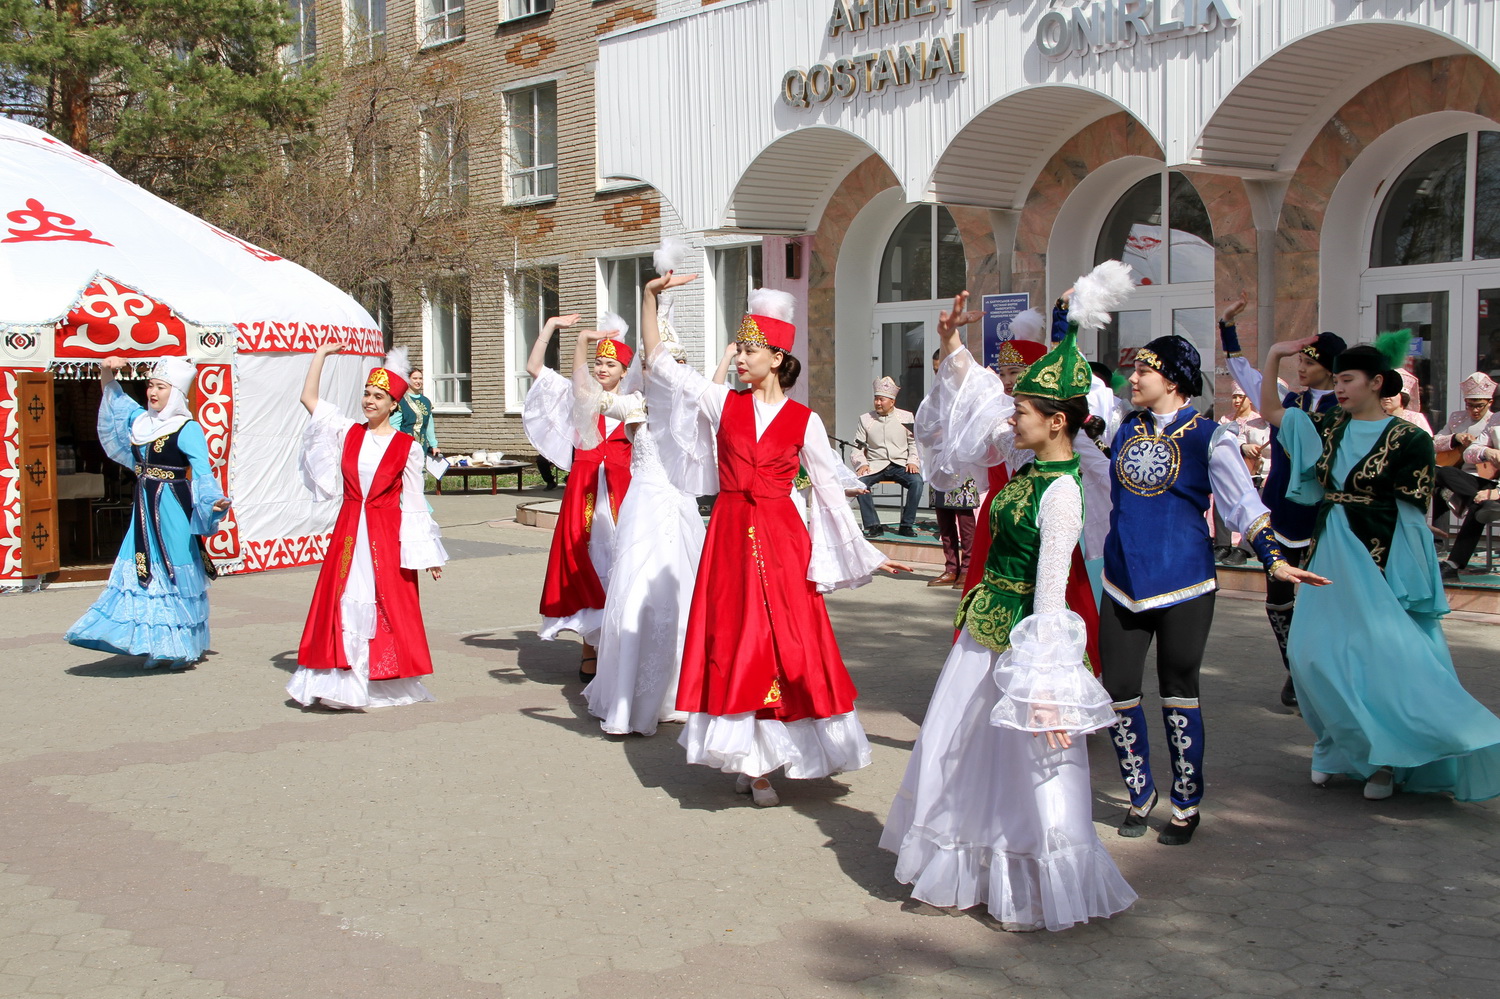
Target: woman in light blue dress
x=1371, y=667
x=156, y=601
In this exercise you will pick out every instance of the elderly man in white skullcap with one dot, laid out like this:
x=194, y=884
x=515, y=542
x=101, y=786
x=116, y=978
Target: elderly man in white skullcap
x=887, y=447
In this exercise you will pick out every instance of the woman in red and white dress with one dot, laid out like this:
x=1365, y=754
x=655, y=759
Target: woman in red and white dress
x=762, y=680
x=563, y=422
x=364, y=645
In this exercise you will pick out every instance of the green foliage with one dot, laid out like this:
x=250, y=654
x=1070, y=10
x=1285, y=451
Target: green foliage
x=181, y=96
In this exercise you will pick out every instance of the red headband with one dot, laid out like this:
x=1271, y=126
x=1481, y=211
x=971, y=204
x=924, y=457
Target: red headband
x=767, y=332
x=1017, y=352
x=614, y=349
x=387, y=381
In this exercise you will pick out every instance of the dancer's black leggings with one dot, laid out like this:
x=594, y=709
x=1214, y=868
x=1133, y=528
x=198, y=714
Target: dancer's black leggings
x=1181, y=633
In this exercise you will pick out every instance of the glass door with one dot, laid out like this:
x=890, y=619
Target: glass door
x=904, y=339
x=1428, y=315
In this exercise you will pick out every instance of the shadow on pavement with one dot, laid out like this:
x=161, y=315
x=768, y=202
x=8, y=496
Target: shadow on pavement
x=121, y=667
x=552, y=663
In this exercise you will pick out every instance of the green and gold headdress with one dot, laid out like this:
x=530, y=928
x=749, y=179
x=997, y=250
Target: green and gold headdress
x=1061, y=374
x=1064, y=373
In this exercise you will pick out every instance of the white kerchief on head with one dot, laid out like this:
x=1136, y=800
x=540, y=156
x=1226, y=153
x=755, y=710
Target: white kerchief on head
x=179, y=373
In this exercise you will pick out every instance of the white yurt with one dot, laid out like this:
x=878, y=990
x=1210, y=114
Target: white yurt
x=93, y=266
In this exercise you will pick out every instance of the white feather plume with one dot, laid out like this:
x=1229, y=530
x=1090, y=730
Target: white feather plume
x=670, y=254
x=1029, y=325
x=398, y=363
x=1100, y=292
x=613, y=325
x=776, y=304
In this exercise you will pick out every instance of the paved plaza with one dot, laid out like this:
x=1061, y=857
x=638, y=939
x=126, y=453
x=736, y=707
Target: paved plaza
x=196, y=835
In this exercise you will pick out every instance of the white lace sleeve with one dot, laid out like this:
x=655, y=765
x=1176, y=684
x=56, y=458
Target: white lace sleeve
x=1246, y=376
x=841, y=557
x=1234, y=493
x=962, y=426
x=323, y=450
x=1044, y=684
x=627, y=407
x=685, y=409
x=547, y=418
x=421, y=541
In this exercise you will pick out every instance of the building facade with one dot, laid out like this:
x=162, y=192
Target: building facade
x=574, y=239
x=1338, y=162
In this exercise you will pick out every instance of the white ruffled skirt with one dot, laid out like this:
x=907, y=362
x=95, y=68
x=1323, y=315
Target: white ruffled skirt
x=806, y=748
x=989, y=815
x=657, y=546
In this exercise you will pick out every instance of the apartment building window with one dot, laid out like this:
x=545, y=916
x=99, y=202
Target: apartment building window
x=303, y=47
x=442, y=21
x=533, y=300
x=736, y=270
x=369, y=163
x=532, y=115
x=445, y=157
x=525, y=8
x=375, y=296
x=448, y=331
x=366, y=29
x=624, y=280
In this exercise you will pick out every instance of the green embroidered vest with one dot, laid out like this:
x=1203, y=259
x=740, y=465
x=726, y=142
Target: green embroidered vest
x=1399, y=467
x=1004, y=597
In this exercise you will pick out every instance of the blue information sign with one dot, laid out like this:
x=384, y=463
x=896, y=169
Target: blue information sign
x=998, y=311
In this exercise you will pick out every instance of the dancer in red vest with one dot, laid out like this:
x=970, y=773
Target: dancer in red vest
x=364, y=645
x=564, y=422
x=762, y=680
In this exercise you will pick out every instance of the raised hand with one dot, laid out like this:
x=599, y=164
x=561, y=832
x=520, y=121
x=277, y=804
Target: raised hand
x=668, y=281
x=1234, y=308
x=564, y=322
x=331, y=347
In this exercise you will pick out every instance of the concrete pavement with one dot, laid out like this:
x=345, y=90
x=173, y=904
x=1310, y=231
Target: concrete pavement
x=167, y=836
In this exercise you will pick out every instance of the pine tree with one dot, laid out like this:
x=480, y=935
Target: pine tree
x=180, y=96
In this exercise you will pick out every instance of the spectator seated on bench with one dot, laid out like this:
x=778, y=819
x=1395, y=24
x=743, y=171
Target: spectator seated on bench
x=887, y=447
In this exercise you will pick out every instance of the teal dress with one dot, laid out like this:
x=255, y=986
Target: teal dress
x=1373, y=673
x=156, y=601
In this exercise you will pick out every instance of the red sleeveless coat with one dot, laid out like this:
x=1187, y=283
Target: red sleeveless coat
x=399, y=648
x=758, y=635
x=572, y=583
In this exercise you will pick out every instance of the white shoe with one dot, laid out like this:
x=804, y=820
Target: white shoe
x=742, y=784
x=1320, y=778
x=1381, y=785
x=762, y=794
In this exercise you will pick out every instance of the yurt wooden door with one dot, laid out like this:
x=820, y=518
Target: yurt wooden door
x=38, y=473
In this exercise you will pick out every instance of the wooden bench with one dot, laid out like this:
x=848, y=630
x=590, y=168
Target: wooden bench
x=465, y=472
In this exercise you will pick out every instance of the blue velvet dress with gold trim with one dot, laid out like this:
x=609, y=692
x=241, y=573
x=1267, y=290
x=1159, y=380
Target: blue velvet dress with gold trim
x=156, y=601
x=1374, y=677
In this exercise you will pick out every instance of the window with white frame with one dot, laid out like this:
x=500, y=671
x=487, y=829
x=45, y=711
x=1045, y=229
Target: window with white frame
x=736, y=270
x=448, y=330
x=442, y=21
x=369, y=162
x=525, y=8
x=533, y=300
x=532, y=118
x=445, y=157
x=624, y=280
x=303, y=48
x=365, y=20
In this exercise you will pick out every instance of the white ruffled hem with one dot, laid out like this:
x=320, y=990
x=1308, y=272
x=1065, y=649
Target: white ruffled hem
x=808, y=748
x=547, y=418
x=1043, y=683
x=838, y=560
x=587, y=623
x=1054, y=891
x=343, y=688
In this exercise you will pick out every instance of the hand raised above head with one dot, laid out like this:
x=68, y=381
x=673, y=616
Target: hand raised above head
x=959, y=316
x=668, y=281
x=331, y=347
x=565, y=322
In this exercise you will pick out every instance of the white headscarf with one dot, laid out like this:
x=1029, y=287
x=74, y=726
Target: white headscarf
x=152, y=424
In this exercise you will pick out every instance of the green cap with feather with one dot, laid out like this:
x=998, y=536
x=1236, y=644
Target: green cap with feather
x=1060, y=374
x=1385, y=357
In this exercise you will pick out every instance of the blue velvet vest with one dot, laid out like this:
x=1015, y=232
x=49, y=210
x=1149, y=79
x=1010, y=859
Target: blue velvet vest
x=1159, y=551
x=1292, y=522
